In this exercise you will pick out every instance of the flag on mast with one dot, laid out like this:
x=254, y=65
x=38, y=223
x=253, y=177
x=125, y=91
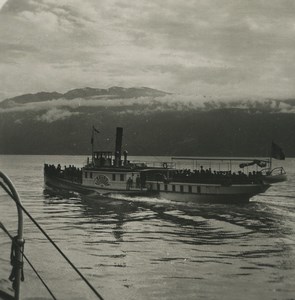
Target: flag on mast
x=94, y=130
x=277, y=152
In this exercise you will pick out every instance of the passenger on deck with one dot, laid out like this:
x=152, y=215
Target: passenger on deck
x=137, y=181
x=129, y=183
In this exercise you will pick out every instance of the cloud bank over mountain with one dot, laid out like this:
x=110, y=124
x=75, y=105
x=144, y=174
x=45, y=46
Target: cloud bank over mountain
x=55, y=114
x=154, y=122
x=50, y=107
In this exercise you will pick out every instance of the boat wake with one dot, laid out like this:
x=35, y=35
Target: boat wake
x=138, y=199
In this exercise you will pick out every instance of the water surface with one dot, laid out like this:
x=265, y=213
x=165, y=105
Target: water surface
x=146, y=248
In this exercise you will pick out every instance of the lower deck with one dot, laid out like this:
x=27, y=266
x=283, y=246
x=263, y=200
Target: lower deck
x=136, y=182
x=194, y=191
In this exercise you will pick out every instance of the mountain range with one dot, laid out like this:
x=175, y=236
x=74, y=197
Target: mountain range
x=154, y=122
x=85, y=93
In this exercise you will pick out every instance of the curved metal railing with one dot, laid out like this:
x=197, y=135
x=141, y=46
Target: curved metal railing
x=18, y=244
x=18, y=241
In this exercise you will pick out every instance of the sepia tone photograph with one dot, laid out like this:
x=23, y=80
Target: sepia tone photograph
x=147, y=149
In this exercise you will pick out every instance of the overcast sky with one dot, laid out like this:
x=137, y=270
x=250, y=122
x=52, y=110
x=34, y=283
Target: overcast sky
x=213, y=48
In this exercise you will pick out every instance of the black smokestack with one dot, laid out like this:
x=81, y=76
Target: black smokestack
x=118, y=150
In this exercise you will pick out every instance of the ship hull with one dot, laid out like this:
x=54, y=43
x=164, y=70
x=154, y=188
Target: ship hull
x=194, y=192
x=68, y=185
x=64, y=184
x=212, y=198
x=275, y=178
x=175, y=191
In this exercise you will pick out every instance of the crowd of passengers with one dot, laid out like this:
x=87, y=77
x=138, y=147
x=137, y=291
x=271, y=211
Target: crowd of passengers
x=209, y=176
x=71, y=172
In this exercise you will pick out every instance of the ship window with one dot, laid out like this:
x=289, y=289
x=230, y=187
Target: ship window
x=86, y=175
x=90, y=174
x=166, y=187
x=190, y=189
x=114, y=177
x=181, y=188
x=173, y=188
x=199, y=189
x=121, y=177
x=158, y=186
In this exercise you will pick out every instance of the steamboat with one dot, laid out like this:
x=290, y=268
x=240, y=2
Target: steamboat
x=108, y=173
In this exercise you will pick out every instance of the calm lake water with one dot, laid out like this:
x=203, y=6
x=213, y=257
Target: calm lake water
x=145, y=248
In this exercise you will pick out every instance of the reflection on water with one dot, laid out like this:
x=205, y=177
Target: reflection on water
x=249, y=218
x=147, y=248
x=199, y=228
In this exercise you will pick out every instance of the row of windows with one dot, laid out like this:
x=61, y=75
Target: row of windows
x=181, y=188
x=86, y=174
x=122, y=176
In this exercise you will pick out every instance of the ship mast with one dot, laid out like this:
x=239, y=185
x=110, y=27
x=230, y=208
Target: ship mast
x=118, y=149
x=94, y=130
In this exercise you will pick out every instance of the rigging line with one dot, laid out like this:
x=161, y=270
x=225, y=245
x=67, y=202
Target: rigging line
x=55, y=245
x=29, y=262
x=7, y=190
